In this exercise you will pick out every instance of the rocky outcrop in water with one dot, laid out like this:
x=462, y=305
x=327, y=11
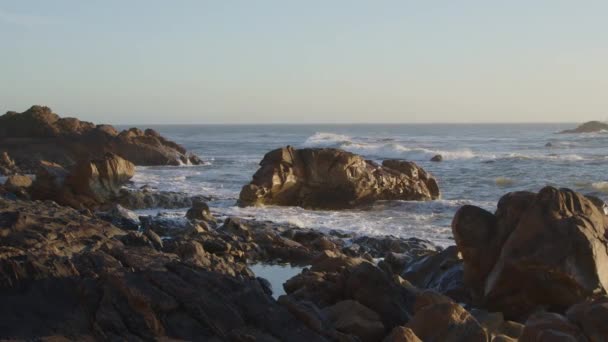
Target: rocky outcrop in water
x=39, y=134
x=88, y=184
x=545, y=250
x=588, y=127
x=326, y=178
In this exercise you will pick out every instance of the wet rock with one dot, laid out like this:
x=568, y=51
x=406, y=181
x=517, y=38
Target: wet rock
x=333, y=179
x=149, y=198
x=554, y=247
x=200, y=211
x=164, y=225
x=39, y=134
x=437, y=158
x=121, y=217
x=442, y=272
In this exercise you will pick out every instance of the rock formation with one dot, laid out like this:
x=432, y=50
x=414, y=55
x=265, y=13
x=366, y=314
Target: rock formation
x=545, y=250
x=326, y=178
x=588, y=127
x=89, y=183
x=39, y=134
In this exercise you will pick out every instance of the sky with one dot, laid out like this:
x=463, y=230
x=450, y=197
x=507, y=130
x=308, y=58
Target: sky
x=330, y=61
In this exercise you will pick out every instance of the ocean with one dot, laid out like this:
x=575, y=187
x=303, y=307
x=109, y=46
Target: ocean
x=481, y=163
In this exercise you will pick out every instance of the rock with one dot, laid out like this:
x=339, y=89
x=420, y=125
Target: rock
x=351, y=317
x=441, y=272
x=548, y=327
x=549, y=144
x=541, y=250
x=18, y=184
x=164, y=226
x=121, y=217
x=146, y=199
x=588, y=127
x=437, y=158
x=591, y=315
x=200, y=211
x=446, y=321
x=402, y=334
x=39, y=134
x=325, y=178
x=90, y=183
x=7, y=165
x=65, y=276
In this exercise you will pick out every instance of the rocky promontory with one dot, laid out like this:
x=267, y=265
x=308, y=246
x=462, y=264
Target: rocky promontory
x=39, y=134
x=588, y=127
x=327, y=178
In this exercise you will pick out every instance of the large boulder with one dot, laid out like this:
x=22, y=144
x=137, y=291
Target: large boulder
x=39, y=134
x=89, y=183
x=326, y=178
x=538, y=250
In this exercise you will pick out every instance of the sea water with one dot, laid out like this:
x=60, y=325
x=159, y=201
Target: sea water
x=481, y=162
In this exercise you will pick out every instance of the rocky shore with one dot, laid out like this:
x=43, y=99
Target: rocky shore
x=76, y=264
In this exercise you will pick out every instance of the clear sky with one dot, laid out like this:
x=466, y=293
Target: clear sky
x=307, y=61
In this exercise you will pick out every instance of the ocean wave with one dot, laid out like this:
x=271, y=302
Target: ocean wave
x=323, y=139
x=547, y=157
x=384, y=148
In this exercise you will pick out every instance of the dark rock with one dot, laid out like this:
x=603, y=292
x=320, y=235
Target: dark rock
x=333, y=179
x=588, y=127
x=547, y=326
x=121, y=217
x=437, y=158
x=351, y=317
x=39, y=134
x=147, y=198
x=442, y=272
x=64, y=276
x=591, y=315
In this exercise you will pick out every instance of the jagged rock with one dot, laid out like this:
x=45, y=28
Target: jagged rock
x=121, y=217
x=39, y=134
x=65, y=276
x=7, y=165
x=588, y=127
x=541, y=250
x=90, y=183
x=442, y=272
x=332, y=179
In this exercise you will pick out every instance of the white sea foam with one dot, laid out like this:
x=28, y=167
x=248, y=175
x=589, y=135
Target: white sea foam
x=600, y=186
x=323, y=139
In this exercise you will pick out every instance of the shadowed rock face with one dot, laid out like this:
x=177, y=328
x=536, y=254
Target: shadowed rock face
x=588, y=127
x=39, y=134
x=70, y=276
x=326, y=178
x=547, y=249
